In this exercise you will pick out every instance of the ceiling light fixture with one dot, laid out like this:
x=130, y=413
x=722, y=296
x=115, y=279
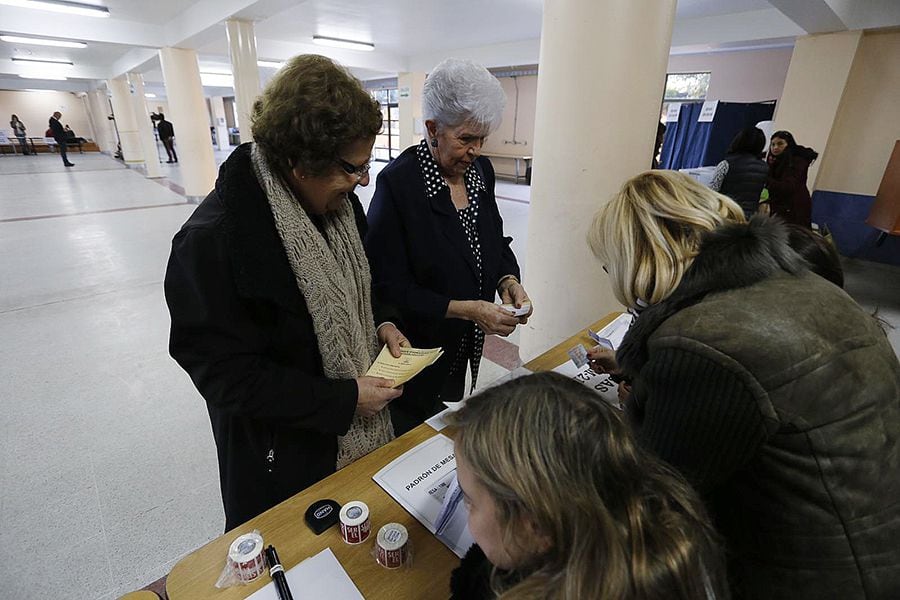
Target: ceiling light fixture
x=46, y=61
x=216, y=80
x=15, y=39
x=149, y=95
x=63, y=6
x=50, y=76
x=339, y=43
x=269, y=64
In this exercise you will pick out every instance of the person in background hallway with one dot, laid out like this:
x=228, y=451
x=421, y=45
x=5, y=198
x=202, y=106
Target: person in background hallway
x=788, y=167
x=18, y=129
x=59, y=134
x=74, y=137
x=742, y=175
x=766, y=385
x=270, y=296
x=436, y=240
x=167, y=135
x=563, y=503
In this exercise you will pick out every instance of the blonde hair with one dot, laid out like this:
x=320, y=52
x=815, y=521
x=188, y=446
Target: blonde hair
x=621, y=525
x=648, y=235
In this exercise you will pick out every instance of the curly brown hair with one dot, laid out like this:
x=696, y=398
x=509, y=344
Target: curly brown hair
x=310, y=111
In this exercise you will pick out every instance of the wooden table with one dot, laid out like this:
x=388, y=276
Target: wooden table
x=194, y=576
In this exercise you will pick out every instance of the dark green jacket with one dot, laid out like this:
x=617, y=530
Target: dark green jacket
x=779, y=398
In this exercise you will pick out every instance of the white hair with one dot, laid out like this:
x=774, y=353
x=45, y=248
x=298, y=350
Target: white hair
x=460, y=91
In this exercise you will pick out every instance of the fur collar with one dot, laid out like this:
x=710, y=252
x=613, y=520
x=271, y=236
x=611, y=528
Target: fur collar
x=732, y=256
x=261, y=269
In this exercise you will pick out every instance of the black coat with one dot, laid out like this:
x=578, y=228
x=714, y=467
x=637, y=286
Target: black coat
x=165, y=129
x=243, y=332
x=421, y=260
x=59, y=132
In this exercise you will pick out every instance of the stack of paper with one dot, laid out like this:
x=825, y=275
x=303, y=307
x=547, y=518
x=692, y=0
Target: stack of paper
x=320, y=576
x=401, y=370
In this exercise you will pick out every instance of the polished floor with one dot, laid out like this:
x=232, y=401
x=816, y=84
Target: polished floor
x=108, y=468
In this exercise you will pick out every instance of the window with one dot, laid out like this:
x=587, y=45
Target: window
x=684, y=87
x=387, y=143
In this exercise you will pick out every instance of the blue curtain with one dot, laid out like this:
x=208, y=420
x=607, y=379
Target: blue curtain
x=690, y=144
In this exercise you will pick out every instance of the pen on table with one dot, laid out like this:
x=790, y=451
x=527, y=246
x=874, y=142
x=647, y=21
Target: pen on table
x=276, y=571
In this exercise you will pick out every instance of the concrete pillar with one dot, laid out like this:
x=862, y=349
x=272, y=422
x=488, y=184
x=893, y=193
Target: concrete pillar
x=242, y=49
x=103, y=127
x=190, y=119
x=409, y=103
x=145, y=126
x=217, y=108
x=816, y=79
x=602, y=74
x=123, y=109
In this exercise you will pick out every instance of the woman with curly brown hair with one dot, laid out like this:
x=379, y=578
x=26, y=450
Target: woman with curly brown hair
x=270, y=293
x=565, y=505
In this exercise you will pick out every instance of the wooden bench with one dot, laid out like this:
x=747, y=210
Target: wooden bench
x=524, y=158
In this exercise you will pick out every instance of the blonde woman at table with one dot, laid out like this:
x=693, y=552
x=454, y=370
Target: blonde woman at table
x=563, y=504
x=270, y=293
x=765, y=385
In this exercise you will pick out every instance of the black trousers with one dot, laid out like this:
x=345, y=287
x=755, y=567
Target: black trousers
x=62, y=151
x=169, y=143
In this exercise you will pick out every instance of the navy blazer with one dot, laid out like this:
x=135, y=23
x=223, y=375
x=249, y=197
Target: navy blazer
x=420, y=256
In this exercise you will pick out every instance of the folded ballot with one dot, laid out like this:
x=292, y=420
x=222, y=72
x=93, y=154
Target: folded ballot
x=408, y=365
x=517, y=312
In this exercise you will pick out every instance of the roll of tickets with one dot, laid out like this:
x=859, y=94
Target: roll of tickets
x=246, y=557
x=355, y=526
x=392, y=546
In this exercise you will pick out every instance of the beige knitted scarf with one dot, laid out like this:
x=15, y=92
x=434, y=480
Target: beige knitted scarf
x=333, y=275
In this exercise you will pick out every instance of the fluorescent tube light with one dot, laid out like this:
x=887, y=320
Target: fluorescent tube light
x=149, y=95
x=339, y=43
x=63, y=6
x=216, y=80
x=15, y=39
x=269, y=64
x=46, y=61
x=51, y=76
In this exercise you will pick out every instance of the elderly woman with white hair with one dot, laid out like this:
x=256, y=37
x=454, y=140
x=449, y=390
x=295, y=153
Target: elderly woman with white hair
x=436, y=243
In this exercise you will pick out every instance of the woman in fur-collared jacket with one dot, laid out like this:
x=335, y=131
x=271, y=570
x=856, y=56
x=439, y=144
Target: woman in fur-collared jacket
x=767, y=386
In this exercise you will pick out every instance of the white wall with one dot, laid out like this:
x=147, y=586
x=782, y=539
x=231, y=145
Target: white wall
x=744, y=76
x=35, y=108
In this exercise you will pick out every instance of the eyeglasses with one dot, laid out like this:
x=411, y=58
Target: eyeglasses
x=351, y=169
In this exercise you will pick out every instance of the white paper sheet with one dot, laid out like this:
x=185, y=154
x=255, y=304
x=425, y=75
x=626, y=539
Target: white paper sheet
x=600, y=383
x=419, y=480
x=320, y=576
x=438, y=423
x=612, y=335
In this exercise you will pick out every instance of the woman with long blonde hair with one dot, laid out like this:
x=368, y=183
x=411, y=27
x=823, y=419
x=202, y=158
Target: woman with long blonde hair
x=564, y=504
x=764, y=384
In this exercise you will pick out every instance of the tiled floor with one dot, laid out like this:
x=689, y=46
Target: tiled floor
x=107, y=464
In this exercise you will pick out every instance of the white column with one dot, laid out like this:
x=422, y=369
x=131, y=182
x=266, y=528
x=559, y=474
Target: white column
x=602, y=74
x=217, y=108
x=813, y=89
x=123, y=109
x=242, y=49
x=190, y=119
x=145, y=127
x=103, y=134
x=409, y=88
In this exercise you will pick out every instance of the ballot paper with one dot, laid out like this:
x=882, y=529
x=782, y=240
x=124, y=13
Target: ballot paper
x=599, y=382
x=420, y=481
x=408, y=365
x=320, y=576
x=517, y=312
x=612, y=335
